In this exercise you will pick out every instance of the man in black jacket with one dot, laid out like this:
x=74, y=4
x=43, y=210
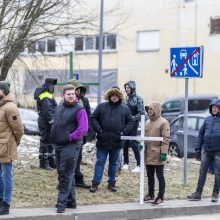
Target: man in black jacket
x=110, y=120
x=80, y=91
x=46, y=105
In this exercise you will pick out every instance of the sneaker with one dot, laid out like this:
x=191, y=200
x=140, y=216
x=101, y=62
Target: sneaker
x=196, y=196
x=214, y=197
x=137, y=169
x=125, y=167
x=158, y=201
x=148, y=198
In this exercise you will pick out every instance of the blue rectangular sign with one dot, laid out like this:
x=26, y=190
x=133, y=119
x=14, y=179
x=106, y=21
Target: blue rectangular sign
x=186, y=62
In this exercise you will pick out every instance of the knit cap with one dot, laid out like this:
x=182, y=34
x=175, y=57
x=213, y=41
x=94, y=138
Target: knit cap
x=5, y=87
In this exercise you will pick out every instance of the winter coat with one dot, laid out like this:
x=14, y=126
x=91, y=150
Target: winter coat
x=134, y=102
x=46, y=104
x=209, y=133
x=11, y=129
x=111, y=120
x=156, y=126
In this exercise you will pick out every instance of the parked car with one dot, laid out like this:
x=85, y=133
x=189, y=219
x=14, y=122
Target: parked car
x=175, y=106
x=29, y=119
x=176, y=146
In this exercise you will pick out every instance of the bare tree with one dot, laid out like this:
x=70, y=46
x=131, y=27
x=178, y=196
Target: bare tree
x=23, y=21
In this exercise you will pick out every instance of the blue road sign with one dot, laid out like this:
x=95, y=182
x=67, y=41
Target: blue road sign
x=186, y=62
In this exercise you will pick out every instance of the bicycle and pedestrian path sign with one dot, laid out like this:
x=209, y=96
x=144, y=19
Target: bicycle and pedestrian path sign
x=186, y=62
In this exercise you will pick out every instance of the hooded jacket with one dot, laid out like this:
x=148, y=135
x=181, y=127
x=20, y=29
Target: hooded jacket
x=156, y=126
x=209, y=133
x=11, y=129
x=46, y=104
x=134, y=102
x=111, y=120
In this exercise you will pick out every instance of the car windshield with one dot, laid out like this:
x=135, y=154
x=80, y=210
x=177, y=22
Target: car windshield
x=27, y=114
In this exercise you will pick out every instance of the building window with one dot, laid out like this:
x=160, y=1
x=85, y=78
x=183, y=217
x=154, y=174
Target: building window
x=32, y=47
x=51, y=45
x=79, y=43
x=148, y=40
x=91, y=43
x=41, y=46
x=215, y=25
x=111, y=41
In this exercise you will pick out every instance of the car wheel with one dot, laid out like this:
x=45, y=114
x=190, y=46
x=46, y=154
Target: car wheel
x=174, y=150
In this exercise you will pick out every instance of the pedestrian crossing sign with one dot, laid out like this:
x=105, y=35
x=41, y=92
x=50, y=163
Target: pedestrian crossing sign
x=186, y=62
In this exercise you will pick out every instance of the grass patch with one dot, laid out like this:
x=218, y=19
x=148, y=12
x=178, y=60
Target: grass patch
x=34, y=187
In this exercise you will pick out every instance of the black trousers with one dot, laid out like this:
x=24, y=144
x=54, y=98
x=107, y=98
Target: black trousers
x=134, y=145
x=78, y=173
x=66, y=160
x=159, y=169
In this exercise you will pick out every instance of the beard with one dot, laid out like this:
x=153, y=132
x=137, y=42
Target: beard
x=68, y=103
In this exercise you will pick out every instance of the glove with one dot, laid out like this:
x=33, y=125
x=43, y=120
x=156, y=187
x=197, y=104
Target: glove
x=140, y=146
x=163, y=156
x=198, y=155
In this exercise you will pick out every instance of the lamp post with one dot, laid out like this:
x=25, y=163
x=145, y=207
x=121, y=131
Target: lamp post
x=100, y=52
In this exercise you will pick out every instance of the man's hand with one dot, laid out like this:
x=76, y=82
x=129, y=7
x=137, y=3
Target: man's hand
x=198, y=155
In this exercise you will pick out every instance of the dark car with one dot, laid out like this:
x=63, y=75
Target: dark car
x=175, y=106
x=29, y=120
x=176, y=146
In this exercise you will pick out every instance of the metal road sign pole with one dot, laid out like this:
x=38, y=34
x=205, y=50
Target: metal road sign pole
x=185, y=132
x=100, y=51
x=142, y=162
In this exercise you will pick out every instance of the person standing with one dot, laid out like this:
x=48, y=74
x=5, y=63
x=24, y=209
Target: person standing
x=136, y=105
x=156, y=152
x=11, y=131
x=69, y=127
x=80, y=91
x=111, y=120
x=46, y=105
x=208, y=150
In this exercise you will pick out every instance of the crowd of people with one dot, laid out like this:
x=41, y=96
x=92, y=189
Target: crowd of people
x=64, y=128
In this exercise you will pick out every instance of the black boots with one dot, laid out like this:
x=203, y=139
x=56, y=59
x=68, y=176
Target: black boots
x=44, y=164
x=94, y=187
x=111, y=187
x=82, y=184
x=52, y=162
x=4, y=208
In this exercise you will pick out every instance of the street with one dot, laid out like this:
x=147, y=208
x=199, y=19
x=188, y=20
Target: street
x=193, y=217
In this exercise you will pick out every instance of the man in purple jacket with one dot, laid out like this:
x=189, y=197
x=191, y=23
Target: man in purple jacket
x=70, y=124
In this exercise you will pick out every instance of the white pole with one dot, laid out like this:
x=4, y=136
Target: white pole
x=142, y=162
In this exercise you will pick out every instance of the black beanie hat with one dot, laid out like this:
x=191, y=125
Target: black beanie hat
x=5, y=87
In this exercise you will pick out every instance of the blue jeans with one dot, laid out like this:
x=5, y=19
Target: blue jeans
x=6, y=182
x=101, y=156
x=207, y=158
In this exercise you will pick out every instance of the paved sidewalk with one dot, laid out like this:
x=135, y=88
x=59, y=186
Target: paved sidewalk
x=124, y=211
